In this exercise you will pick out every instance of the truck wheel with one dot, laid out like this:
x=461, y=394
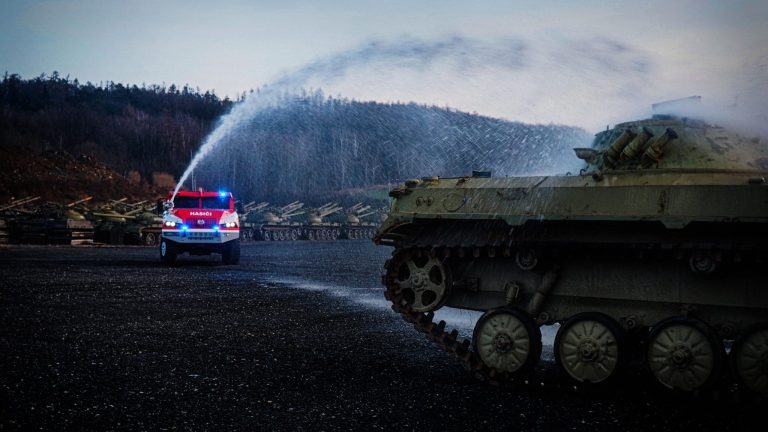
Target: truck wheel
x=231, y=252
x=168, y=252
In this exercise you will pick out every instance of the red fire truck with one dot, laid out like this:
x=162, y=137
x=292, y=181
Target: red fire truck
x=200, y=223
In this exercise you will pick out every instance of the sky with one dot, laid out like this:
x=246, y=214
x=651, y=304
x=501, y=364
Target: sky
x=586, y=63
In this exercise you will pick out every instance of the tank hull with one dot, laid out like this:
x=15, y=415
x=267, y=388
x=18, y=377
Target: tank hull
x=645, y=252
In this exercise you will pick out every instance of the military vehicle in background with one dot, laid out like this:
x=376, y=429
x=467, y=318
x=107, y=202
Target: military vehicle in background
x=661, y=236
x=276, y=224
x=262, y=222
x=120, y=222
x=251, y=219
x=109, y=223
x=317, y=228
x=145, y=228
x=51, y=223
x=68, y=224
x=355, y=227
x=11, y=212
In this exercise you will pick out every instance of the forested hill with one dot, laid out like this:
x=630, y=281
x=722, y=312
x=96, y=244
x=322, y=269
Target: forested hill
x=301, y=147
x=143, y=129
x=311, y=145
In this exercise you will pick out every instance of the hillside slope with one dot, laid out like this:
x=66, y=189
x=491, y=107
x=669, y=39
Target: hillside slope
x=301, y=147
x=307, y=147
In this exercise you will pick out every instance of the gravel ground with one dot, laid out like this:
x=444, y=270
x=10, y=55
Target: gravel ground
x=294, y=338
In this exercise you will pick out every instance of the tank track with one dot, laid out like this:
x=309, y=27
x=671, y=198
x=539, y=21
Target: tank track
x=450, y=341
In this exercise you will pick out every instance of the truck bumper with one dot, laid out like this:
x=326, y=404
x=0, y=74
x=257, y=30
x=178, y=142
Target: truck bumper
x=201, y=236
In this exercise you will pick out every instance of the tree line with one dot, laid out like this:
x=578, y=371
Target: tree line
x=143, y=129
x=302, y=146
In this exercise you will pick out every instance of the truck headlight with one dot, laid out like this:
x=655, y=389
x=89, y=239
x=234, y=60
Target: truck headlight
x=230, y=224
x=170, y=223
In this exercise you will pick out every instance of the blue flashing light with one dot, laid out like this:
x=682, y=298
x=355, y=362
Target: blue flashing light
x=215, y=227
x=184, y=227
x=223, y=194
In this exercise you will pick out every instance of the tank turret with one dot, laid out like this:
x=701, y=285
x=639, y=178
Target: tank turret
x=668, y=143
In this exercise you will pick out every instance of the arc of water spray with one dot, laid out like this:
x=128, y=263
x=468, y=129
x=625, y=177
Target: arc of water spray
x=419, y=53
x=508, y=54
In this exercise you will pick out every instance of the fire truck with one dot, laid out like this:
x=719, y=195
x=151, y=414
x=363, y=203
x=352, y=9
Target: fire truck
x=200, y=223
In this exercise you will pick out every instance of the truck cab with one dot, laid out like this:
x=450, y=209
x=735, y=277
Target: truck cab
x=200, y=223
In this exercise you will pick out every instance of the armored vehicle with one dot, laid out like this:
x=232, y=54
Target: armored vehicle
x=356, y=227
x=661, y=237
x=111, y=221
x=120, y=222
x=68, y=224
x=251, y=219
x=53, y=223
x=12, y=212
x=146, y=228
x=276, y=224
x=319, y=229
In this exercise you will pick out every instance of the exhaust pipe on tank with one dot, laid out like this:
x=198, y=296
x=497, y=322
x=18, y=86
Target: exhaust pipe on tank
x=637, y=146
x=655, y=151
x=611, y=155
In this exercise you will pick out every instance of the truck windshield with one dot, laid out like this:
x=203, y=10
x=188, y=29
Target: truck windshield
x=186, y=202
x=220, y=203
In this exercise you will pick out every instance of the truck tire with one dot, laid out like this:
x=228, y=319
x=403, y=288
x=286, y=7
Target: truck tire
x=168, y=252
x=231, y=252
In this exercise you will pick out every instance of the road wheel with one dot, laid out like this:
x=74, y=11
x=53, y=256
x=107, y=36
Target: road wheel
x=749, y=359
x=150, y=239
x=311, y=235
x=168, y=252
x=231, y=252
x=266, y=235
x=590, y=348
x=684, y=354
x=294, y=235
x=507, y=341
x=424, y=282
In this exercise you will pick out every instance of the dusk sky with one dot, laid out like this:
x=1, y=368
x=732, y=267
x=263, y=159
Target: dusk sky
x=585, y=63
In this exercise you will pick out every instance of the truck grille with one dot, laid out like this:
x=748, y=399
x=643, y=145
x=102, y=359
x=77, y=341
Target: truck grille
x=194, y=222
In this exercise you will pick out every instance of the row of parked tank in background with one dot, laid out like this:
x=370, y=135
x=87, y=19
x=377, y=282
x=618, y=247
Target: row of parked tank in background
x=260, y=221
x=29, y=221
